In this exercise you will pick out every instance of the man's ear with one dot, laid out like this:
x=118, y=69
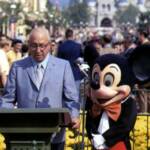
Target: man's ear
x=49, y=46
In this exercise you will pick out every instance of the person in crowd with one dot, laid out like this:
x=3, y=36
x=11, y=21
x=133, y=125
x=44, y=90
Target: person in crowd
x=107, y=41
x=143, y=36
x=107, y=46
x=15, y=53
x=129, y=45
x=42, y=81
x=118, y=43
x=24, y=50
x=142, y=93
x=96, y=42
x=53, y=49
x=71, y=51
x=90, y=54
x=4, y=65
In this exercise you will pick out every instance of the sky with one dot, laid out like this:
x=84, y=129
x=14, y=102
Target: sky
x=64, y=2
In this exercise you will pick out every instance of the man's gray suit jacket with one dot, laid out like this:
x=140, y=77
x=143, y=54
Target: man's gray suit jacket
x=57, y=89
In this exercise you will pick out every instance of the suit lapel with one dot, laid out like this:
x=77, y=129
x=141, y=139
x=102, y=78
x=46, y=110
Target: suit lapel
x=47, y=74
x=31, y=73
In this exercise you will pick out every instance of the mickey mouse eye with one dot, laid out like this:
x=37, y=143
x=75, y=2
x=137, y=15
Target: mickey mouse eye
x=108, y=79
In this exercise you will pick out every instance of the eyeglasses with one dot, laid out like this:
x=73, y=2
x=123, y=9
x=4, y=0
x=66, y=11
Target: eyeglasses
x=34, y=46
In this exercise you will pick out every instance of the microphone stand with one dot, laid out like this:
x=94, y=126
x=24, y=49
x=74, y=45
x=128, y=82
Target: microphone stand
x=83, y=107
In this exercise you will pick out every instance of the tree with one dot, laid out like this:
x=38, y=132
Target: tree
x=78, y=13
x=127, y=15
x=53, y=14
x=9, y=10
x=144, y=20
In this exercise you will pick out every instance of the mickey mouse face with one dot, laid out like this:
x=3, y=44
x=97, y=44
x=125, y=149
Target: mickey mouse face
x=106, y=80
x=113, y=76
x=105, y=84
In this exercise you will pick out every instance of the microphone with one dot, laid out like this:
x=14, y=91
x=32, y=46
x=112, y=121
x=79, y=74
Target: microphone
x=79, y=60
x=84, y=68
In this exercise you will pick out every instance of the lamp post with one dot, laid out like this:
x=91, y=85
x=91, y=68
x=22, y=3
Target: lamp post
x=1, y=19
x=12, y=21
x=13, y=7
x=51, y=16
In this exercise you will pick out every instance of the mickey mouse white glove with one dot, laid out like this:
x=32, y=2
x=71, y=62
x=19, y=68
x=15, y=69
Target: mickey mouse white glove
x=97, y=140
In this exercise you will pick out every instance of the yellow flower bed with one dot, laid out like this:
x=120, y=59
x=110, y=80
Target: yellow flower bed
x=141, y=133
x=74, y=139
x=138, y=136
x=2, y=142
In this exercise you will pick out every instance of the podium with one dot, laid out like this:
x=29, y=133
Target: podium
x=31, y=126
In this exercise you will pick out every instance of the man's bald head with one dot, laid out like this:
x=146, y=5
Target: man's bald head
x=40, y=31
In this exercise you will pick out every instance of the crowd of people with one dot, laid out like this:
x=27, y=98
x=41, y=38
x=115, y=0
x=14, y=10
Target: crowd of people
x=116, y=41
x=59, y=77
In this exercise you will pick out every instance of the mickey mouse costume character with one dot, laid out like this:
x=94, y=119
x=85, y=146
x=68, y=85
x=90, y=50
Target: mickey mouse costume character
x=111, y=111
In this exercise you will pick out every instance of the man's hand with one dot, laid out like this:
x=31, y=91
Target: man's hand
x=75, y=122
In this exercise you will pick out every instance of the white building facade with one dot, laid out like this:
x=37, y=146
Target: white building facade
x=102, y=11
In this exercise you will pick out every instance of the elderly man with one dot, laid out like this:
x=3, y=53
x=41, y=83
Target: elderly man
x=42, y=80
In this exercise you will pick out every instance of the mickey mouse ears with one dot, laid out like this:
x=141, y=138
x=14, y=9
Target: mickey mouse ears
x=140, y=61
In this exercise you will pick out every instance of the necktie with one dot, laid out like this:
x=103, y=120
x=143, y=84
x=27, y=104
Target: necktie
x=39, y=75
x=113, y=110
